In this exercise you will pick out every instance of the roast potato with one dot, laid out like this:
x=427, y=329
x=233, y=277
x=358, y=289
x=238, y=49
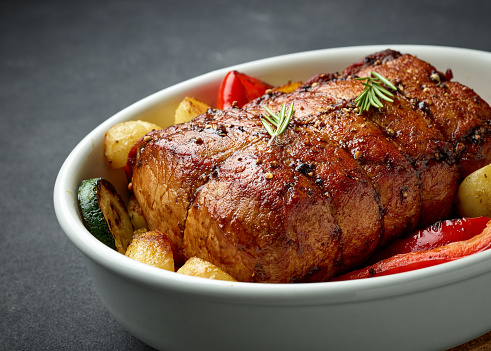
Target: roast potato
x=197, y=267
x=474, y=194
x=189, y=108
x=152, y=248
x=121, y=137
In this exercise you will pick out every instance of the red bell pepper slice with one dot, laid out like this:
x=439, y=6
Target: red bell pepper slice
x=421, y=259
x=241, y=88
x=436, y=235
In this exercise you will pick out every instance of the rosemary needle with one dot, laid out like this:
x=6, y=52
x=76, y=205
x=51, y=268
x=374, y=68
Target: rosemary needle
x=279, y=120
x=374, y=91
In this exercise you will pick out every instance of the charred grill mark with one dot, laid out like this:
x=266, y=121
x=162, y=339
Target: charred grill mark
x=305, y=168
x=477, y=135
x=319, y=79
x=371, y=60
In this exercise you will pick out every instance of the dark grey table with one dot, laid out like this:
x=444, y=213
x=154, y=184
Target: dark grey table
x=65, y=66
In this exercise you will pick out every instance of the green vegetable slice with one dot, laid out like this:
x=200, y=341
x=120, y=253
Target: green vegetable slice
x=104, y=213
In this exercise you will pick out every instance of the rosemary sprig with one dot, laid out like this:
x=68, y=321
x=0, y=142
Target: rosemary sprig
x=280, y=121
x=373, y=92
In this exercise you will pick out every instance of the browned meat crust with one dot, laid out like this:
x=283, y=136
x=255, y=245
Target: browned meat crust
x=331, y=189
x=175, y=162
x=454, y=109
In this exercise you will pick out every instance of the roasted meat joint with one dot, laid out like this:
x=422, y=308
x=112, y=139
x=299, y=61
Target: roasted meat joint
x=341, y=180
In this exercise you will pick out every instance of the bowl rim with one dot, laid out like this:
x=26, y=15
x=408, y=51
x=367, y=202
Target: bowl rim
x=240, y=292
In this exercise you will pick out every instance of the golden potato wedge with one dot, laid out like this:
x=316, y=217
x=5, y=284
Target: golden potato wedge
x=288, y=87
x=139, y=232
x=135, y=213
x=121, y=137
x=197, y=267
x=474, y=194
x=152, y=248
x=189, y=108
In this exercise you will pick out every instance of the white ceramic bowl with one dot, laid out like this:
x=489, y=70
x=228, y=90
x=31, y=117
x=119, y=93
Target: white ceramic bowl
x=429, y=309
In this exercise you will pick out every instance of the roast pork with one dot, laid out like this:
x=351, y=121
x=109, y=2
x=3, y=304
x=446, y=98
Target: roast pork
x=331, y=189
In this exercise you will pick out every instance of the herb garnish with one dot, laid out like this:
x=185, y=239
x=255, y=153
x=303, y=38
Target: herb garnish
x=280, y=121
x=373, y=91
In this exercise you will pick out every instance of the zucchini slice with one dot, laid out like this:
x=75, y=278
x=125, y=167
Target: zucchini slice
x=104, y=213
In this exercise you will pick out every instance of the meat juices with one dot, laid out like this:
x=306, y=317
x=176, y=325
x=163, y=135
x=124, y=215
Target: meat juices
x=330, y=190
